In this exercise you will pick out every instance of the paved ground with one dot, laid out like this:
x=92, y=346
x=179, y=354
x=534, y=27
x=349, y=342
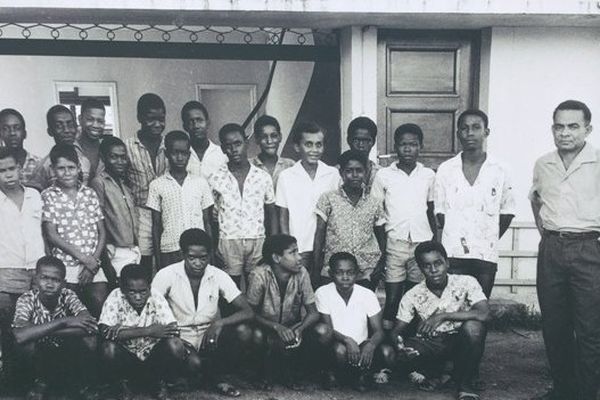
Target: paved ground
x=514, y=368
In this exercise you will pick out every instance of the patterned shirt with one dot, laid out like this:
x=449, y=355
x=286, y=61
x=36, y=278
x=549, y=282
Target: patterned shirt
x=472, y=212
x=264, y=295
x=281, y=165
x=43, y=177
x=30, y=165
x=118, y=311
x=212, y=161
x=242, y=216
x=405, y=209
x=75, y=222
x=180, y=206
x=31, y=311
x=350, y=228
x=460, y=294
x=141, y=169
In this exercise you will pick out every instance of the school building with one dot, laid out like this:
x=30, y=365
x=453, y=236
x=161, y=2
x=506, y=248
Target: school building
x=395, y=61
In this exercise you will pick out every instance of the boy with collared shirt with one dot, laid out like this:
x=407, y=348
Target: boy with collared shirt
x=267, y=134
x=178, y=201
x=62, y=127
x=13, y=134
x=140, y=332
x=349, y=219
x=193, y=288
x=54, y=333
x=206, y=157
x=474, y=203
x=146, y=153
x=361, y=136
x=21, y=242
x=299, y=188
x=453, y=312
x=277, y=292
x=409, y=214
x=350, y=311
x=244, y=201
x=91, y=121
x=118, y=205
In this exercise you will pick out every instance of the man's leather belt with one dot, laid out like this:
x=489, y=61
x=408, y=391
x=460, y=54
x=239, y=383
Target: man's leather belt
x=573, y=235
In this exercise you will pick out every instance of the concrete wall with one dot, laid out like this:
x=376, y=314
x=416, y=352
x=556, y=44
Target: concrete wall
x=531, y=70
x=29, y=85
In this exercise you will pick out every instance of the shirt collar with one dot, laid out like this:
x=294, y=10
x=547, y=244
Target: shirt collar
x=179, y=269
x=344, y=195
x=587, y=154
x=299, y=169
x=394, y=167
x=137, y=141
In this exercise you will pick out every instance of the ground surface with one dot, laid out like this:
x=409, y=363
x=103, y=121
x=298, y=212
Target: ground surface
x=514, y=367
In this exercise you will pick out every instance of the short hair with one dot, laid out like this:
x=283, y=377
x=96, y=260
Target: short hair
x=266, y=120
x=11, y=111
x=305, y=127
x=574, y=105
x=473, y=112
x=408, y=128
x=6, y=152
x=341, y=256
x=365, y=123
x=51, y=261
x=63, y=150
x=57, y=109
x=175, y=136
x=92, y=103
x=194, y=237
x=193, y=105
x=428, y=247
x=108, y=143
x=149, y=101
x=352, y=155
x=132, y=272
x=276, y=244
x=228, y=128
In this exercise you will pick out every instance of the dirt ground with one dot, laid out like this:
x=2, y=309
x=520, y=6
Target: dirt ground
x=514, y=368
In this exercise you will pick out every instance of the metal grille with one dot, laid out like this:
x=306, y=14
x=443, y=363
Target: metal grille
x=168, y=33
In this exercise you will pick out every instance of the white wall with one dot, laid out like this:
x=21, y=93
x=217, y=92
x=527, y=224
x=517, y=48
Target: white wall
x=28, y=85
x=531, y=70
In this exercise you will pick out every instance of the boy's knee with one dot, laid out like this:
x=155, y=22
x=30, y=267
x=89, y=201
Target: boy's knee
x=109, y=350
x=258, y=337
x=388, y=355
x=339, y=353
x=175, y=347
x=473, y=331
x=323, y=333
x=194, y=362
x=244, y=333
x=90, y=343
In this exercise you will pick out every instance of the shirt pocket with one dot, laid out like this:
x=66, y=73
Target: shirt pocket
x=491, y=200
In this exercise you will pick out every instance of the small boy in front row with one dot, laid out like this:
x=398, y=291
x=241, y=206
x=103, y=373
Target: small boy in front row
x=141, y=334
x=351, y=311
x=54, y=332
x=277, y=292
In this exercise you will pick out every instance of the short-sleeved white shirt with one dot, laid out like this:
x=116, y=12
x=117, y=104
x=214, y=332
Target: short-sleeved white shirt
x=299, y=194
x=350, y=319
x=173, y=283
x=405, y=200
x=460, y=294
x=213, y=160
x=242, y=216
x=472, y=213
x=181, y=206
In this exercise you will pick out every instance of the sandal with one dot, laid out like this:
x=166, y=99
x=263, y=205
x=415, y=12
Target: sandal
x=227, y=389
x=464, y=395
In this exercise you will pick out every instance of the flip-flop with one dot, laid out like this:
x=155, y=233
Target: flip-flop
x=463, y=395
x=227, y=389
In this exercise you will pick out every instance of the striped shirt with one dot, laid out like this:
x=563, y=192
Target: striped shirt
x=141, y=169
x=31, y=163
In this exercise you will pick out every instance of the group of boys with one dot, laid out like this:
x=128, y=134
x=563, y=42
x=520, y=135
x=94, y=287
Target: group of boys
x=212, y=221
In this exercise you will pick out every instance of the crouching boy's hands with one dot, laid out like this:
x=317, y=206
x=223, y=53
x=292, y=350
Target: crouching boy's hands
x=163, y=331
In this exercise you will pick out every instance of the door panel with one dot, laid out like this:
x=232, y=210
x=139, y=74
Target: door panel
x=426, y=79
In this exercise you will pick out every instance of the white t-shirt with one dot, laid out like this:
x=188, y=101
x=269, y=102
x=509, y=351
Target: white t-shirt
x=350, y=319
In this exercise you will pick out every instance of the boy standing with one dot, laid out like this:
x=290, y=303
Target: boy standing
x=140, y=332
x=146, y=152
x=206, y=157
x=351, y=311
x=54, y=332
x=244, y=197
x=406, y=188
x=361, y=136
x=267, y=134
x=178, y=201
x=474, y=203
x=13, y=134
x=299, y=188
x=92, y=123
x=118, y=205
x=349, y=219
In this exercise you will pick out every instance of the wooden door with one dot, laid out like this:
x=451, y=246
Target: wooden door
x=426, y=78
